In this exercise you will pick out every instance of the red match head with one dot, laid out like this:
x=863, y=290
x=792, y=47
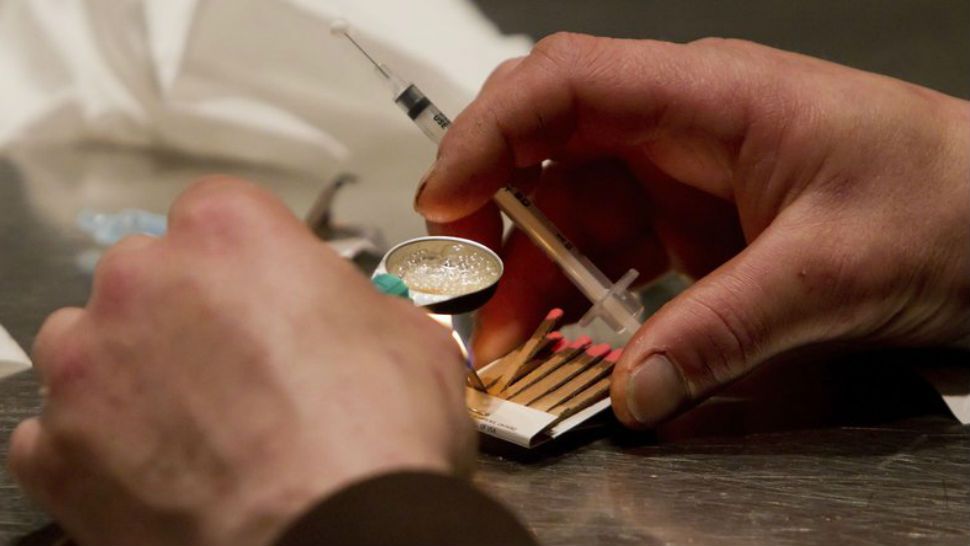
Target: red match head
x=598, y=350
x=555, y=314
x=556, y=341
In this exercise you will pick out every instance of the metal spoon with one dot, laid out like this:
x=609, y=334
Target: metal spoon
x=446, y=275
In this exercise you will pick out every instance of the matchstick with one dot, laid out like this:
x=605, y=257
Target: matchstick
x=527, y=351
x=578, y=384
x=571, y=351
x=583, y=400
x=562, y=374
x=553, y=342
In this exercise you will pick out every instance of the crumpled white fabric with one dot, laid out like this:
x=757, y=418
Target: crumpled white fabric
x=257, y=81
x=262, y=81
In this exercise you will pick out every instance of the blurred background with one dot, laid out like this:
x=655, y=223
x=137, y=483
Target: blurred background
x=922, y=41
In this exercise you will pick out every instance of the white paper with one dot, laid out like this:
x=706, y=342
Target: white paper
x=258, y=80
x=12, y=358
x=953, y=384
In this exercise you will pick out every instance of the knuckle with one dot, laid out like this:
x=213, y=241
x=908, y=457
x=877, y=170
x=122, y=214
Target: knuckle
x=562, y=48
x=52, y=332
x=68, y=366
x=57, y=351
x=216, y=204
x=505, y=67
x=117, y=279
x=581, y=59
x=500, y=74
x=717, y=42
x=563, y=42
x=215, y=183
x=120, y=255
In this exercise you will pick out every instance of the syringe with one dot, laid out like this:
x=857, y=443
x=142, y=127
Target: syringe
x=613, y=303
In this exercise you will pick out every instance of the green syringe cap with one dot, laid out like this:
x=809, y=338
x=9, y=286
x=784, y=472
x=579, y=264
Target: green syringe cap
x=391, y=285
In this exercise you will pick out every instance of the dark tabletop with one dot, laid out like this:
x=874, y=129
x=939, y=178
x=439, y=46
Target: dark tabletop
x=854, y=449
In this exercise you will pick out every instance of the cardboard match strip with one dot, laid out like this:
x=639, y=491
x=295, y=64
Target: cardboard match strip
x=528, y=351
x=571, y=351
x=578, y=384
x=562, y=374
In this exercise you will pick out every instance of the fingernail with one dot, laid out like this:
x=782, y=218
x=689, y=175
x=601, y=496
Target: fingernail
x=423, y=185
x=654, y=391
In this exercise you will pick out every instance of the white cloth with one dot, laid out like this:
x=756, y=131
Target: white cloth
x=262, y=81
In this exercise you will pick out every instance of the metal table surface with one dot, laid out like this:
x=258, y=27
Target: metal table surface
x=855, y=450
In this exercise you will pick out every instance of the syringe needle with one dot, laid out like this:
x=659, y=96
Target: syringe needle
x=341, y=27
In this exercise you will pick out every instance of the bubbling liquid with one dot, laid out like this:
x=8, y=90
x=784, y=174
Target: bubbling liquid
x=451, y=270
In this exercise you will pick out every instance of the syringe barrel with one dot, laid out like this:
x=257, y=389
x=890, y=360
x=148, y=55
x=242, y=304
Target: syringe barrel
x=620, y=309
x=530, y=220
x=432, y=122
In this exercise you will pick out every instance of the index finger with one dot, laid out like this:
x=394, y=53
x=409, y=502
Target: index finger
x=576, y=91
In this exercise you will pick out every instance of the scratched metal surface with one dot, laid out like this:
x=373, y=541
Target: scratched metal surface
x=902, y=483
x=18, y=400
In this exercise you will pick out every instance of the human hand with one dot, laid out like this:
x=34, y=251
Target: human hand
x=224, y=377
x=816, y=204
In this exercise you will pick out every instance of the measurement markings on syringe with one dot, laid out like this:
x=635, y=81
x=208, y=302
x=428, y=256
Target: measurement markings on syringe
x=442, y=120
x=526, y=202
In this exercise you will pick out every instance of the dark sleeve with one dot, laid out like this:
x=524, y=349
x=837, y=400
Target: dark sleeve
x=408, y=508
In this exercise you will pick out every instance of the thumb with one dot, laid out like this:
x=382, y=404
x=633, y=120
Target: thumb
x=755, y=306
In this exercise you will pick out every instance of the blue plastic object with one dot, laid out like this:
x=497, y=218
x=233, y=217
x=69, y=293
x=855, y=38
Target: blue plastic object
x=109, y=228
